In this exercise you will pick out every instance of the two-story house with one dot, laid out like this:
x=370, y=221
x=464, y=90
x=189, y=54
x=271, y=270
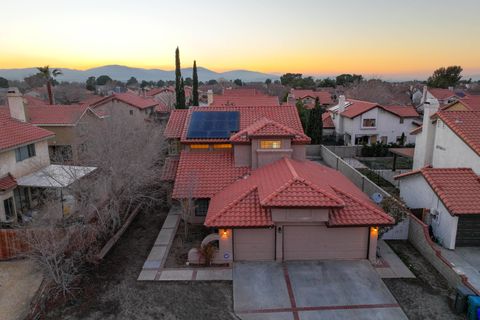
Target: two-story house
x=245, y=168
x=445, y=182
x=308, y=97
x=363, y=122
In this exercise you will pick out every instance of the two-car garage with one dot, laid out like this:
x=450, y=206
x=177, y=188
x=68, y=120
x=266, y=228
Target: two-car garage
x=301, y=242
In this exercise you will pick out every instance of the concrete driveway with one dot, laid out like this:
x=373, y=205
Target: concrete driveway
x=312, y=290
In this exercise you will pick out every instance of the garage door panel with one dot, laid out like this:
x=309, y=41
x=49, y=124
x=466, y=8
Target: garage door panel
x=254, y=244
x=468, y=231
x=322, y=243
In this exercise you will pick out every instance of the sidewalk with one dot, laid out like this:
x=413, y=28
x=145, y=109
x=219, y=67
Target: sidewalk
x=389, y=264
x=153, y=268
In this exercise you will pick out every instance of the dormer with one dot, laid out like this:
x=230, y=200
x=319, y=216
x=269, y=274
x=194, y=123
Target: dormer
x=266, y=141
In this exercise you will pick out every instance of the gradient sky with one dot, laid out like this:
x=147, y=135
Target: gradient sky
x=372, y=37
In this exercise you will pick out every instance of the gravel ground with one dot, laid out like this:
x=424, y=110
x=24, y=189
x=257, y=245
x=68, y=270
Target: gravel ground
x=113, y=292
x=428, y=296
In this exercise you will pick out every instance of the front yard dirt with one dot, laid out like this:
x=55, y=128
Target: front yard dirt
x=112, y=291
x=426, y=297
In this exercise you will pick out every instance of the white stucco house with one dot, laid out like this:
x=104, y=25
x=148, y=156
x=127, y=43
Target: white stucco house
x=438, y=97
x=362, y=122
x=450, y=198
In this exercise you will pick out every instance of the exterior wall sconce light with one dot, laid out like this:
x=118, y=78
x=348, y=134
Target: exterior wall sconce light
x=224, y=233
x=374, y=231
x=279, y=229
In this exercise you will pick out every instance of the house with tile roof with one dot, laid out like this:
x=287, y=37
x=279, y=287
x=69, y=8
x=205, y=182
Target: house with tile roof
x=438, y=97
x=451, y=197
x=25, y=168
x=241, y=97
x=245, y=168
x=127, y=104
x=362, y=122
x=446, y=134
x=308, y=97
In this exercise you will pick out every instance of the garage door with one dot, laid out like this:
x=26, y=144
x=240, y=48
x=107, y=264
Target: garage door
x=468, y=231
x=322, y=243
x=254, y=244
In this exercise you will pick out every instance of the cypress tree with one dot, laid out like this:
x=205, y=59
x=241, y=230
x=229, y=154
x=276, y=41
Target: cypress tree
x=315, y=123
x=179, y=89
x=195, y=84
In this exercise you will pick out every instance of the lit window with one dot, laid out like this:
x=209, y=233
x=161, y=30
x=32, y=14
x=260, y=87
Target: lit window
x=270, y=144
x=199, y=146
x=369, y=123
x=222, y=146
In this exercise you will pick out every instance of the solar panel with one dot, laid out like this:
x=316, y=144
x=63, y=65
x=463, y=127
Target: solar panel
x=213, y=124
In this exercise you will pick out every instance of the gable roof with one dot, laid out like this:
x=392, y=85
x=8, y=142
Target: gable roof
x=285, y=115
x=358, y=107
x=402, y=111
x=457, y=188
x=327, y=120
x=56, y=114
x=201, y=174
x=471, y=103
x=324, y=96
x=268, y=128
x=465, y=124
x=15, y=133
x=128, y=98
x=292, y=183
x=169, y=170
x=441, y=94
x=155, y=91
x=241, y=92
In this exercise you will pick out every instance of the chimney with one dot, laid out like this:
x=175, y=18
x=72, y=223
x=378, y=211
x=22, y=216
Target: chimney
x=341, y=103
x=450, y=88
x=209, y=97
x=425, y=141
x=16, y=105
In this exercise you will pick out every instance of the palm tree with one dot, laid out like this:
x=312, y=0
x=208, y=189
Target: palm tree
x=49, y=76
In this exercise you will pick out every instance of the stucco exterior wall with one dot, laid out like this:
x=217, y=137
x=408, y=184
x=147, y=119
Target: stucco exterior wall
x=242, y=155
x=299, y=215
x=452, y=152
x=299, y=152
x=417, y=193
x=261, y=157
x=123, y=109
x=18, y=169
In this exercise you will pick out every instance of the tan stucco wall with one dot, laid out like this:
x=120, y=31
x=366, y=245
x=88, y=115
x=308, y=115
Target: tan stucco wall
x=123, y=109
x=299, y=215
x=27, y=166
x=299, y=152
x=243, y=155
x=261, y=157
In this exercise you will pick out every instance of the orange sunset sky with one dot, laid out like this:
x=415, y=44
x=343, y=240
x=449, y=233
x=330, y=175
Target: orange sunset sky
x=371, y=37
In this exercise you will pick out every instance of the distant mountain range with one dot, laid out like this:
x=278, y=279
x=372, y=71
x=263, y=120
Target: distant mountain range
x=123, y=73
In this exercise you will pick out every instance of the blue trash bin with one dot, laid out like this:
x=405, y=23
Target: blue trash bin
x=473, y=308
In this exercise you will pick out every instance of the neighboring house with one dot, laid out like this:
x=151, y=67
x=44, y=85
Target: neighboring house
x=451, y=197
x=438, y=97
x=362, y=122
x=468, y=103
x=308, y=97
x=245, y=170
x=240, y=98
x=328, y=125
x=67, y=122
x=166, y=95
x=448, y=139
x=128, y=104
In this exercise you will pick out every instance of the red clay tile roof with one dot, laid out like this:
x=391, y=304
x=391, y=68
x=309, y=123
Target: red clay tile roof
x=34, y=101
x=15, y=133
x=358, y=107
x=457, y=188
x=169, y=170
x=176, y=122
x=292, y=183
x=403, y=111
x=472, y=103
x=241, y=101
x=324, y=96
x=327, y=120
x=130, y=99
x=162, y=108
x=56, y=114
x=7, y=182
x=267, y=128
x=441, y=94
x=241, y=92
x=201, y=174
x=285, y=115
x=466, y=124
x=156, y=91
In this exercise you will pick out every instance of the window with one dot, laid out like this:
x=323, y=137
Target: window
x=174, y=147
x=222, y=146
x=384, y=139
x=401, y=120
x=9, y=209
x=270, y=144
x=201, y=207
x=131, y=112
x=199, y=146
x=25, y=152
x=369, y=123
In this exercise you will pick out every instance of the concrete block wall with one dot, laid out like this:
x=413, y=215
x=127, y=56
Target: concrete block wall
x=420, y=239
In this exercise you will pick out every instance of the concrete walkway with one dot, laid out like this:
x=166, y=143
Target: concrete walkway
x=465, y=261
x=354, y=163
x=153, y=268
x=389, y=264
x=312, y=290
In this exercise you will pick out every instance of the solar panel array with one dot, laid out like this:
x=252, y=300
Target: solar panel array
x=213, y=124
